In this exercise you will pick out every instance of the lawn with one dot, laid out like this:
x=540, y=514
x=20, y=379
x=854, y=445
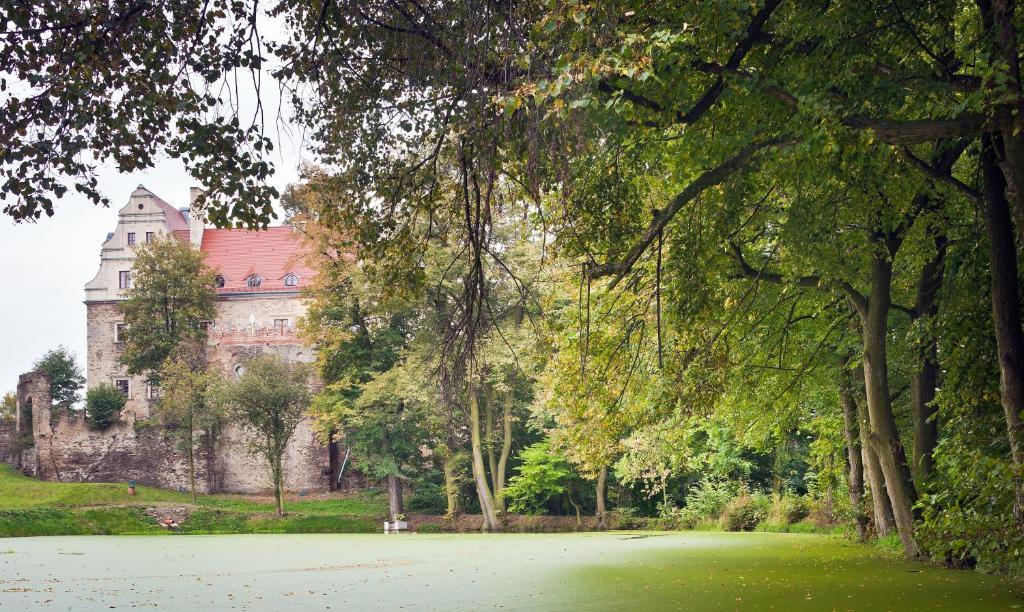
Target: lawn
x=584, y=571
x=31, y=507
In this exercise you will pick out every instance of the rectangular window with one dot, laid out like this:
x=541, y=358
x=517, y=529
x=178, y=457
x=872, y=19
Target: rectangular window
x=131, y=238
x=119, y=332
x=152, y=392
x=280, y=326
x=124, y=279
x=149, y=236
x=123, y=386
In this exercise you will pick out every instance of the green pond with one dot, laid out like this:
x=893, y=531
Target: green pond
x=591, y=571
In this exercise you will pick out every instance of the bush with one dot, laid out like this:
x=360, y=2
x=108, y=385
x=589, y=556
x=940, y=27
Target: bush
x=745, y=511
x=706, y=501
x=427, y=498
x=787, y=509
x=103, y=405
x=430, y=528
x=626, y=517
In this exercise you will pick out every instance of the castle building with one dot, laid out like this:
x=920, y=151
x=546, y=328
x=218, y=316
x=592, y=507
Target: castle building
x=260, y=277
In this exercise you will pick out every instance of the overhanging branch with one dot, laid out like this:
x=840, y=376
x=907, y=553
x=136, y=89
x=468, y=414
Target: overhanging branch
x=710, y=178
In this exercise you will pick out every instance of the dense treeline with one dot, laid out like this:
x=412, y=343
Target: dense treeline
x=701, y=249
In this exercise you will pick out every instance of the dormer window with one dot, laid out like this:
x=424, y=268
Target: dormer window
x=291, y=280
x=218, y=281
x=254, y=281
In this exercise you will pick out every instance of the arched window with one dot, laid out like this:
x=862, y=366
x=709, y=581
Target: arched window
x=255, y=281
x=291, y=280
x=219, y=281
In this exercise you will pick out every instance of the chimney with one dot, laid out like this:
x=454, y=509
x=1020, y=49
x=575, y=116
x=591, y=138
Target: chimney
x=196, y=218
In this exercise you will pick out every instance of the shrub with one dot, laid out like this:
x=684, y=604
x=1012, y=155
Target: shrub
x=745, y=511
x=427, y=498
x=626, y=517
x=429, y=528
x=103, y=405
x=706, y=501
x=787, y=508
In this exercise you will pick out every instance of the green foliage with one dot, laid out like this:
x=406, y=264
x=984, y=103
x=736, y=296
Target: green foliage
x=708, y=499
x=541, y=476
x=66, y=378
x=745, y=511
x=430, y=528
x=171, y=296
x=267, y=400
x=103, y=405
x=172, y=60
x=9, y=408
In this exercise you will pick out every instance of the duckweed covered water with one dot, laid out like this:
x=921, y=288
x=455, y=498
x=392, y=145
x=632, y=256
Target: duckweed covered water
x=609, y=571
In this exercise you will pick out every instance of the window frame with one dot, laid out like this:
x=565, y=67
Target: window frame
x=280, y=326
x=150, y=236
x=131, y=238
x=119, y=329
x=254, y=281
x=127, y=385
x=124, y=279
x=291, y=280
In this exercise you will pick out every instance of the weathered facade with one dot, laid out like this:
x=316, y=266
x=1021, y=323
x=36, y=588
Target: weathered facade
x=260, y=277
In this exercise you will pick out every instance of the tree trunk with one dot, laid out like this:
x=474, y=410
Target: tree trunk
x=576, y=507
x=600, y=512
x=492, y=459
x=333, y=462
x=884, y=436
x=1006, y=316
x=483, y=489
x=853, y=452
x=506, y=452
x=873, y=478
x=450, y=490
x=925, y=378
x=276, y=470
x=395, y=505
x=192, y=454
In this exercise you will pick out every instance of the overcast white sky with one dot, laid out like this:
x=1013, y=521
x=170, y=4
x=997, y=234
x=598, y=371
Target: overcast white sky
x=45, y=265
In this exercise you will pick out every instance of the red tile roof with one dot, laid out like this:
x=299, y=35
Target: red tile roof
x=175, y=221
x=272, y=254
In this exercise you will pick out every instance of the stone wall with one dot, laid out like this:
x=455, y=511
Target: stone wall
x=66, y=448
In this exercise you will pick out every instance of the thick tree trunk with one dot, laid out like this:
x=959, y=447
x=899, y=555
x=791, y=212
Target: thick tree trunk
x=875, y=482
x=884, y=436
x=1006, y=315
x=506, y=452
x=853, y=452
x=600, y=512
x=925, y=378
x=492, y=458
x=483, y=489
x=395, y=505
x=450, y=490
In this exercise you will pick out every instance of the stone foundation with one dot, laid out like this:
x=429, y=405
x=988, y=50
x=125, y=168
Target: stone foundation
x=65, y=448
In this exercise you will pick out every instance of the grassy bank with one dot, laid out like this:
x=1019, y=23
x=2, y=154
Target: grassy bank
x=30, y=507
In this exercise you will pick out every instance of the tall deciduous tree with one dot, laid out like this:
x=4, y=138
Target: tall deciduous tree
x=66, y=379
x=268, y=400
x=171, y=297
x=185, y=402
